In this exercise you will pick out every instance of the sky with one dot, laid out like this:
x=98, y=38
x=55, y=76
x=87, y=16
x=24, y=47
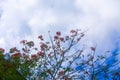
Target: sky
x=26, y=19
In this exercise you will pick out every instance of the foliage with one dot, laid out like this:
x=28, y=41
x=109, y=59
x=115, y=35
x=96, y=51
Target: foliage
x=16, y=66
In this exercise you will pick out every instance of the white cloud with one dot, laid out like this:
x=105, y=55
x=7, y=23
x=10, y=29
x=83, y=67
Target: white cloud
x=98, y=15
x=104, y=9
x=28, y=18
x=2, y=42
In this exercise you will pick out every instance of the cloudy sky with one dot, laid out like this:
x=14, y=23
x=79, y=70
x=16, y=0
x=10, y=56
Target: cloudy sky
x=26, y=19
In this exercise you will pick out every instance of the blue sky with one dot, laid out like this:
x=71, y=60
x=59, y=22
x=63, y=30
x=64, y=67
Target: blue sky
x=26, y=19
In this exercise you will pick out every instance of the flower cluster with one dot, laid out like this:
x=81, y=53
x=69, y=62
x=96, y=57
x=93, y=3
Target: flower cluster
x=17, y=54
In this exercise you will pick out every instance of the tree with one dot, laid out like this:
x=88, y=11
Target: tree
x=9, y=69
x=61, y=58
x=15, y=66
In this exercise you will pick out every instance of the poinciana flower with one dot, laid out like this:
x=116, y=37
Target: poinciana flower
x=92, y=48
x=34, y=56
x=78, y=39
x=56, y=37
x=2, y=50
x=17, y=54
x=42, y=46
x=58, y=33
x=73, y=31
x=41, y=53
x=23, y=42
x=60, y=73
x=62, y=39
x=40, y=37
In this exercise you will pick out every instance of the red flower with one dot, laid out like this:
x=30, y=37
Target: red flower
x=66, y=78
x=40, y=37
x=33, y=56
x=42, y=46
x=72, y=31
x=56, y=37
x=61, y=39
x=23, y=42
x=92, y=48
x=78, y=39
x=18, y=54
x=62, y=51
x=41, y=53
x=2, y=50
x=60, y=73
x=58, y=33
